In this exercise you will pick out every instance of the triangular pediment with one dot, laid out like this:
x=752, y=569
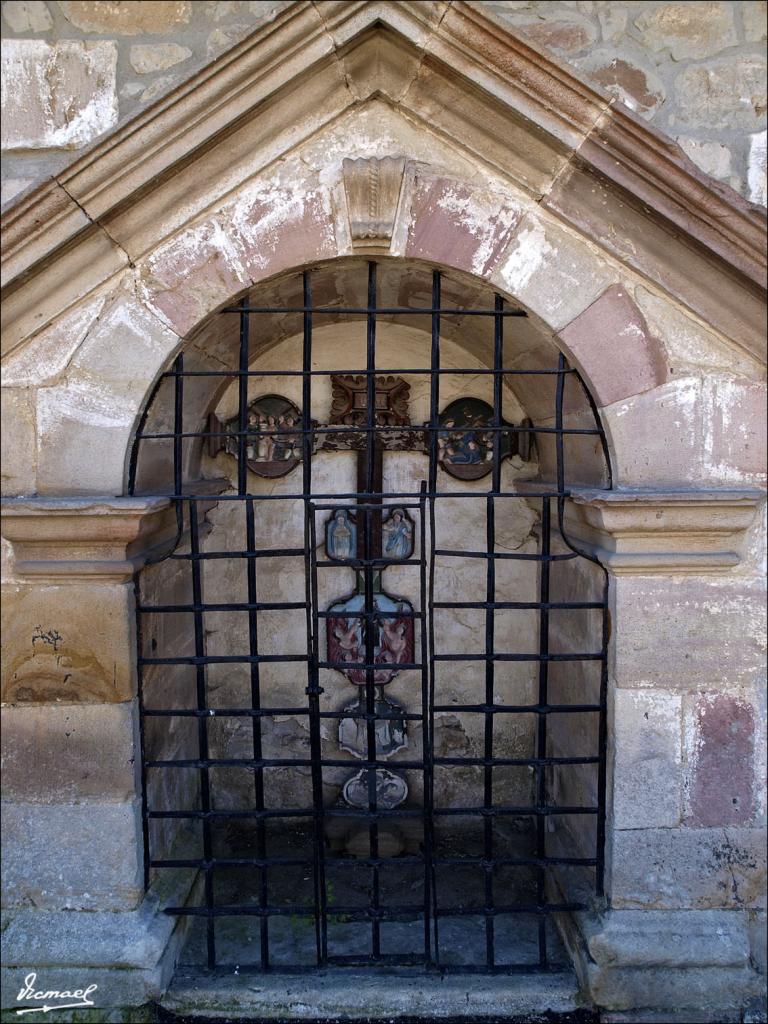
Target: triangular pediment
x=449, y=69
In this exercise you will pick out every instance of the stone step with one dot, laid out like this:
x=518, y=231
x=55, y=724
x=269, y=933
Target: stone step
x=394, y=997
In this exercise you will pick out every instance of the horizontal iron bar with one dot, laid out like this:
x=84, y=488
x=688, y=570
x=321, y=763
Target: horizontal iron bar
x=508, y=709
x=519, y=605
x=225, y=659
x=421, y=428
x=507, y=762
x=587, y=656
x=380, y=311
x=354, y=495
x=257, y=606
x=507, y=908
x=458, y=372
x=222, y=712
x=298, y=910
x=504, y=811
x=261, y=553
x=513, y=555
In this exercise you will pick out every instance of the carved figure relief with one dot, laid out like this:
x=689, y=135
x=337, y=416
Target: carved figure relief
x=273, y=436
x=392, y=636
x=341, y=535
x=397, y=535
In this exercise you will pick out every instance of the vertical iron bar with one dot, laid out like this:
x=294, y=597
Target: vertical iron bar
x=313, y=627
x=490, y=632
x=426, y=745
x=202, y=728
x=256, y=723
x=541, y=737
x=178, y=438
x=242, y=402
x=429, y=734
x=371, y=624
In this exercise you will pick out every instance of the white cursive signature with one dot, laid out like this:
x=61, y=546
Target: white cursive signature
x=28, y=992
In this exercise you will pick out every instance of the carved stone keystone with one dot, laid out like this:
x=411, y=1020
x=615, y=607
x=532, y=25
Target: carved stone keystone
x=373, y=189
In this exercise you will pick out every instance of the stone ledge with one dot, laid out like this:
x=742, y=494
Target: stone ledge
x=671, y=532
x=61, y=540
x=346, y=995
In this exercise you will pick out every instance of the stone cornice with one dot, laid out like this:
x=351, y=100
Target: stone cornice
x=444, y=47
x=671, y=532
x=66, y=540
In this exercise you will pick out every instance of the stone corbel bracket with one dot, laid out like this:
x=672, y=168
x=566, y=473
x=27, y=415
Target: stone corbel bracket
x=643, y=531
x=68, y=540
x=372, y=188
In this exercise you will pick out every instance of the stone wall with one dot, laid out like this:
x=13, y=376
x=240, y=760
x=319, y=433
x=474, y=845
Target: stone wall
x=73, y=70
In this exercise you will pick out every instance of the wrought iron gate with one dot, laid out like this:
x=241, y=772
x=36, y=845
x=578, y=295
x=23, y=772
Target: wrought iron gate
x=443, y=884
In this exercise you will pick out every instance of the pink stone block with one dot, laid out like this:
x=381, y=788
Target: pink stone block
x=721, y=788
x=453, y=223
x=278, y=229
x=610, y=340
x=191, y=275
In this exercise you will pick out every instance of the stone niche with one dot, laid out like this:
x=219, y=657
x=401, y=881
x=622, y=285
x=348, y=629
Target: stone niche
x=402, y=343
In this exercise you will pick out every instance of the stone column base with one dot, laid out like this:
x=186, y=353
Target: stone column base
x=130, y=956
x=665, y=965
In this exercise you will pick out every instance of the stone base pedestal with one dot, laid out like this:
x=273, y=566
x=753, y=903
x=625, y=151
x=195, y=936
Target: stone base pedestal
x=129, y=956
x=665, y=965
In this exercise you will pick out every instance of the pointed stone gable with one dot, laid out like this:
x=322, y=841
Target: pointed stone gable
x=452, y=68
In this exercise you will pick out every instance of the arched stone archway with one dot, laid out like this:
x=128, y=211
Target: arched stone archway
x=642, y=272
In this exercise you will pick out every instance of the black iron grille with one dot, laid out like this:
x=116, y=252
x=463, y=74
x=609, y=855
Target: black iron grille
x=449, y=876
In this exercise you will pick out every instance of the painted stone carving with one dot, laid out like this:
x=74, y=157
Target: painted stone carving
x=397, y=535
x=392, y=636
x=391, y=789
x=389, y=727
x=465, y=444
x=273, y=445
x=341, y=535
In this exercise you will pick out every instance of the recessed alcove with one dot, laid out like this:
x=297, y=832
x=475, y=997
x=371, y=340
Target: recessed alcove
x=496, y=782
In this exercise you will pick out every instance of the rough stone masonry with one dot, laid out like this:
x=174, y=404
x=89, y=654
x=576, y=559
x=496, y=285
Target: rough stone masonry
x=645, y=273
x=74, y=69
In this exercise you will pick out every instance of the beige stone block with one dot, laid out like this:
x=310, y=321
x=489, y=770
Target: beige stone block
x=728, y=93
x=688, y=30
x=656, y=437
x=41, y=360
x=71, y=753
x=757, y=171
x=689, y=632
x=18, y=462
x=85, y=423
x=688, y=342
x=552, y=272
x=754, y=15
x=27, y=15
x=733, y=428
x=712, y=157
x=688, y=869
x=156, y=18
x=84, y=856
x=566, y=34
x=647, y=778
x=68, y=644
x=38, y=112
x=146, y=58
